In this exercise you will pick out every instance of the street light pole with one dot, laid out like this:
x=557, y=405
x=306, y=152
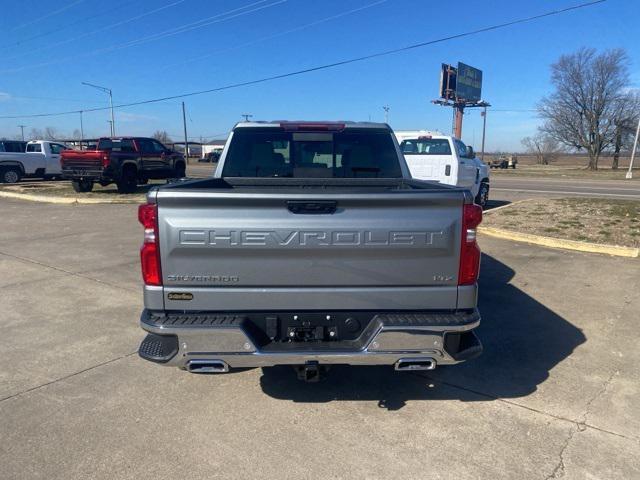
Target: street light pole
x=110, y=93
x=386, y=109
x=22, y=131
x=81, y=132
x=484, y=129
x=186, y=139
x=633, y=152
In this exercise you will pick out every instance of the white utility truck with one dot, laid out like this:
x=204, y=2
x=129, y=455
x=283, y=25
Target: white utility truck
x=41, y=159
x=445, y=159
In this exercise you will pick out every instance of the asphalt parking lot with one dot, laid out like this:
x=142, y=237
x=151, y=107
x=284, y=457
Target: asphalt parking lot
x=554, y=395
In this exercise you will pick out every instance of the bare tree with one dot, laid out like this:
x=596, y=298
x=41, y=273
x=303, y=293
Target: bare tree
x=35, y=134
x=581, y=112
x=77, y=134
x=50, y=133
x=625, y=124
x=162, y=136
x=543, y=146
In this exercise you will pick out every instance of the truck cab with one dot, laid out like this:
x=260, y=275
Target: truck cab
x=445, y=159
x=41, y=158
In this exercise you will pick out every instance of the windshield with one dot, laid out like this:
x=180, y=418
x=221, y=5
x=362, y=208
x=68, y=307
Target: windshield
x=426, y=146
x=275, y=153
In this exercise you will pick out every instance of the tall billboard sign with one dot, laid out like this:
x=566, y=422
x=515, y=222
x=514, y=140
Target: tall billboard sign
x=447, y=82
x=462, y=84
x=468, y=84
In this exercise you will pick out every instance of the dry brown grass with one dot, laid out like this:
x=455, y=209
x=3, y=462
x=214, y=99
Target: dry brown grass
x=605, y=221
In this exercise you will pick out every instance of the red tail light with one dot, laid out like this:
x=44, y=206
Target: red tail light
x=105, y=159
x=470, y=252
x=150, y=251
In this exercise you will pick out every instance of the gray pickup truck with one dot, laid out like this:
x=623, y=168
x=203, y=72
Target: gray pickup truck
x=311, y=245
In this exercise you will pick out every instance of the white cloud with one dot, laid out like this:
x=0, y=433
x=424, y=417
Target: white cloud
x=4, y=96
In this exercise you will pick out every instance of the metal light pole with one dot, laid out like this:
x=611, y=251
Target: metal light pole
x=386, y=109
x=484, y=129
x=22, y=131
x=633, y=151
x=81, y=132
x=106, y=90
x=186, y=140
x=246, y=116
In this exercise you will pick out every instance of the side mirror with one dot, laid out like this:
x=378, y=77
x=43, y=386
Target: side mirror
x=470, y=153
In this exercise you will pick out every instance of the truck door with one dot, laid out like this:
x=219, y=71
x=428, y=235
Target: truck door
x=35, y=162
x=467, y=171
x=152, y=155
x=52, y=160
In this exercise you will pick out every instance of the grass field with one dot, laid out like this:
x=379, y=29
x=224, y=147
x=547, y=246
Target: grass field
x=557, y=171
x=605, y=221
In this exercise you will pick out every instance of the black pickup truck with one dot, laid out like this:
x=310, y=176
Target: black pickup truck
x=125, y=161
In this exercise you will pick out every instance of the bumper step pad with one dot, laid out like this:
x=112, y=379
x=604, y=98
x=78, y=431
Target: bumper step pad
x=158, y=348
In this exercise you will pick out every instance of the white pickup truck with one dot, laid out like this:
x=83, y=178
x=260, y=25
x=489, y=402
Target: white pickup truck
x=445, y=159
x=41, y=159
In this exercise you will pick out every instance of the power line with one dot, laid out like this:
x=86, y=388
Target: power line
x=50, y=14
x=275, y=35
x=156, y=36
x=66, y=26
x=93, y=32
x=326, y=66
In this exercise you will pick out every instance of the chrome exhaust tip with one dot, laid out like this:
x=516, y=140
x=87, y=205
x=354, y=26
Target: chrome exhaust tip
x=207, y=366
x=418, y=363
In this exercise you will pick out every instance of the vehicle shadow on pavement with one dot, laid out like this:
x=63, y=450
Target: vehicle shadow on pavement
x=495, y=204
x=523, y=340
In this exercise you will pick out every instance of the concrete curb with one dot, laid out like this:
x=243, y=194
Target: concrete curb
x=66, y=200
x=615, y=250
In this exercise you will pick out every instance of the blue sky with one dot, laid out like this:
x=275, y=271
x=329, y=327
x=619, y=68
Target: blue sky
x=49, y=47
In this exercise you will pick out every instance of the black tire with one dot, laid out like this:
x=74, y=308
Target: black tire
x=179, y=170
x=10, y=175
x=82, y=186
x=129, y=181
x=483, y=195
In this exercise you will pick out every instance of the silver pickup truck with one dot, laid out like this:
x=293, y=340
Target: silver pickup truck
x=310, y=246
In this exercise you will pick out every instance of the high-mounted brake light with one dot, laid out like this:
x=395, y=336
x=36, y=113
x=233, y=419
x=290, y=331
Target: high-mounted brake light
x=469, y=251
x=424, y=137
x=150, y=251
x=312, y=126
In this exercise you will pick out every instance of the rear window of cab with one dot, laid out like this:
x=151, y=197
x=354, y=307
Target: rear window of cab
x=345, y=154
x=426, y=146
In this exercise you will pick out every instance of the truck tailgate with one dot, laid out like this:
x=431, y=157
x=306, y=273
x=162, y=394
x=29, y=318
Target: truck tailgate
x=72, y=159
x=391, y=250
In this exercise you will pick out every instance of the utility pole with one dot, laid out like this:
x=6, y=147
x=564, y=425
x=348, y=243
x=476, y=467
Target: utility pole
x=110, y=126
x=633, y=152
x=457, y=126
x=186, y=140
x=81, y=132
x=110, y=93
x=22, y=131
x=246, y=116
x=484, y=129
x=386, y=109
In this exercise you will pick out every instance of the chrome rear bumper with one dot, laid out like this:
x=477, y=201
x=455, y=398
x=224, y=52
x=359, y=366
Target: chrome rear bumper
x=389, y=339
